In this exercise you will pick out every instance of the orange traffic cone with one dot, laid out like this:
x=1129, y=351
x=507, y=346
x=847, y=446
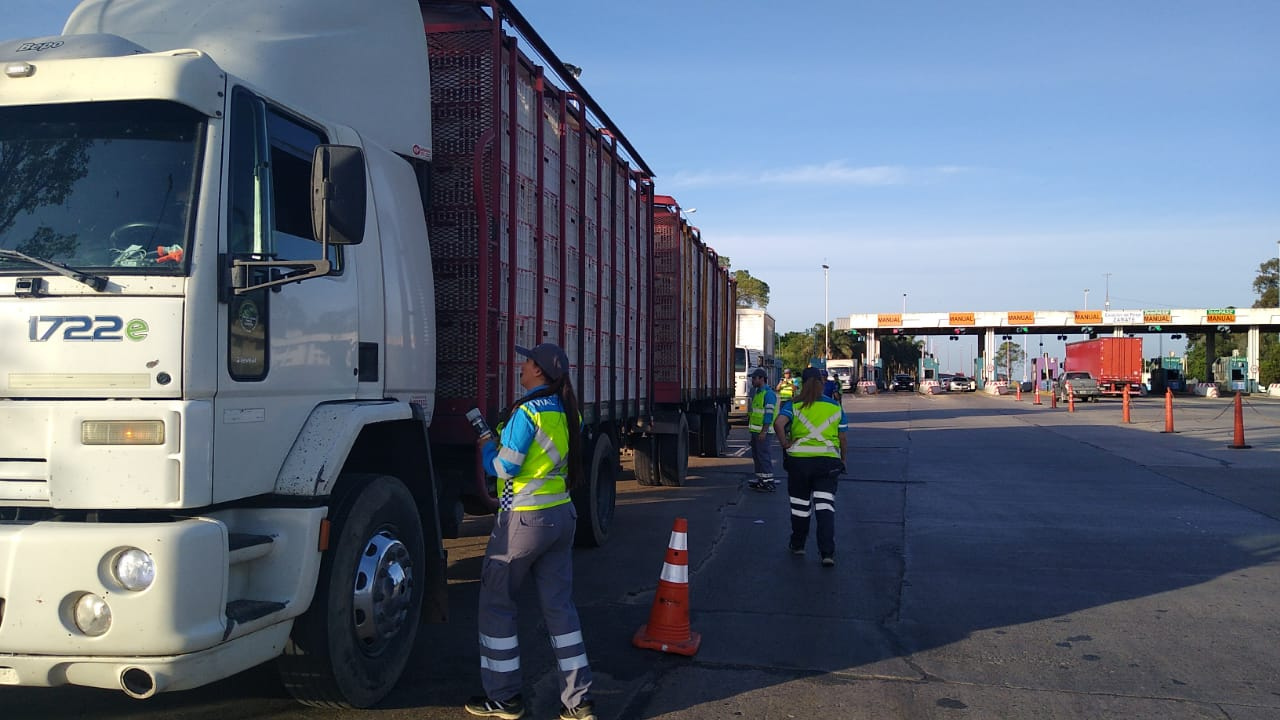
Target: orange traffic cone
x=1019, y=393
x=1238, y=442
x=1071, y=399
x=1124, y=411
x=668, y=626
x=1168, y=410
x=1037, y=400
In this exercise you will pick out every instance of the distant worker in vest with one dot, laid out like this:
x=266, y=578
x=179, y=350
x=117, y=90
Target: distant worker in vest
x=537, y=461
x=812, y=431
x=763, y=407
x=787, y=386
x=831, y=386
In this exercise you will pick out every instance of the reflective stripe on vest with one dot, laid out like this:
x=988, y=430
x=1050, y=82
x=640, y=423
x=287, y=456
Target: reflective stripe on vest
x=786, y=390
x=755, y=421
x=540, y=482
x=821, y=424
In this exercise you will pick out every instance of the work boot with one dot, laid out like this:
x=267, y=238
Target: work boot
x=511, y=709
x=828, y=560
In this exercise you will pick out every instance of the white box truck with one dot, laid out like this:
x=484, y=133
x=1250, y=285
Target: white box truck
x=755, y=348
x=257, y=261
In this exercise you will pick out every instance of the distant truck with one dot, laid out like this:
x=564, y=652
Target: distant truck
x=1078, y=384
x=755, y=348
x=1113, y=362
x=1165, y=373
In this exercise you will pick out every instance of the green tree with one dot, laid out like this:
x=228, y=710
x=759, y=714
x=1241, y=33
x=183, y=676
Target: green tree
x=1265, y=284
x=795, y=349
x=900, y=354
x=1009, y=356
x=752, y=292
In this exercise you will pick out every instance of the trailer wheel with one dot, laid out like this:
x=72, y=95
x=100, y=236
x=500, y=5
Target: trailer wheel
x=673, y=455
x=595, y=501
x=350, y=647
x=713, y=432
x=646, y=460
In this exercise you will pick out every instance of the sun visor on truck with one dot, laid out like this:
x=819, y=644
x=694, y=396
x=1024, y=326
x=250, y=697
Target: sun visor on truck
x=68, y=47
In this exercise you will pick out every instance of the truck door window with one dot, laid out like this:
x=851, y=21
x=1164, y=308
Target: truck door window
x=270, y=183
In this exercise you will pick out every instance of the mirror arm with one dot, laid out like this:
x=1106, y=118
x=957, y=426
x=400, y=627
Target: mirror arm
x=303, y=269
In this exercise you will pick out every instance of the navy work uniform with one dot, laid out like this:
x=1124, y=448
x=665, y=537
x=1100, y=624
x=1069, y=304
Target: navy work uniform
x=814, y=448
x=764, y=404
x=532, y=535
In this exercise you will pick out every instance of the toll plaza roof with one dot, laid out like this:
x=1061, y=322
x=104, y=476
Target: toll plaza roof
x=1066, y=321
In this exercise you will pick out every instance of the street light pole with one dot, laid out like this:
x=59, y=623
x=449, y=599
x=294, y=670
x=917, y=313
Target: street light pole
x=826, y=295
x=1106, y=304
x=1086, y=298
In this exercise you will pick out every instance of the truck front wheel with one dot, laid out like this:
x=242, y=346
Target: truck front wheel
x=349, y=648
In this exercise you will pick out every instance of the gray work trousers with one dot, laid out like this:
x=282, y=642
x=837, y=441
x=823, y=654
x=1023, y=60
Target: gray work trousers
x=537, y=543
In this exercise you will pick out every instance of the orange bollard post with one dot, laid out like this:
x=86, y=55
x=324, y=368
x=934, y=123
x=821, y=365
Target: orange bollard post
x=1053, y=398
x=1168, y=410
x=1124, y=416
x=1238, y=444
x=1037, y=400
x=1071, y=400
x=668, y=626
x=1019, y=398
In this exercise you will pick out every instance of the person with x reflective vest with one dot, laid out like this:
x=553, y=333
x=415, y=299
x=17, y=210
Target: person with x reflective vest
x=537, y=463
x=812, y=430
x=764, y=404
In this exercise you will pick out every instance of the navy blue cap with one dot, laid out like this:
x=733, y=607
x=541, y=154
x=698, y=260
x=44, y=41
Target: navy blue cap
x=549, y=358
x=811, y=373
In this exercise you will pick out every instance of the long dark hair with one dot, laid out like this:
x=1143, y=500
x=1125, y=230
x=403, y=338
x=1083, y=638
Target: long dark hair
x=573, y=419
x=810, y=391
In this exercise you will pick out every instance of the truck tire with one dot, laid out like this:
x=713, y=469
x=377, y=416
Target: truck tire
x=714, y=433
x=595, y=500
x=350, y=647
x=646, y=461
x=673, y=455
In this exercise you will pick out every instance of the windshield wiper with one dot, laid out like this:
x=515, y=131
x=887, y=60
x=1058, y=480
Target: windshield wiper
x=97, y=282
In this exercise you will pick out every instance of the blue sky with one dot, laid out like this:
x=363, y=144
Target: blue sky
x=975, y=155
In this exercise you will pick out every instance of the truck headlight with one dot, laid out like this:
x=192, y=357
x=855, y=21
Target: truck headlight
x=134, y=569
x=92, y=615
x=122, y=432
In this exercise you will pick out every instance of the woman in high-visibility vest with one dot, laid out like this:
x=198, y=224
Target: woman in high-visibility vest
x=811, y=430
x=537, y=462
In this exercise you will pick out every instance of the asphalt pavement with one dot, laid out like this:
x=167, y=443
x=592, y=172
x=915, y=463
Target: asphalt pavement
x=995, y=560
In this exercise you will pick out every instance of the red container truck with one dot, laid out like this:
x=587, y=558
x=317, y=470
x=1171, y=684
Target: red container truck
x=1113, y=361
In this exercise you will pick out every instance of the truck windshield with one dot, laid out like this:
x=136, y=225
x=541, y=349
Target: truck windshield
x=101, y=186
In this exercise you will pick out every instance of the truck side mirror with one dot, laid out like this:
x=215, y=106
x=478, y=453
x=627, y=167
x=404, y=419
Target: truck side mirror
x=338, y=194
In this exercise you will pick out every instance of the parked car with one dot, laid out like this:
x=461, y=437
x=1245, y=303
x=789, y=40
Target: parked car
x=944, y=381
x=960, y=383
x=904, y=382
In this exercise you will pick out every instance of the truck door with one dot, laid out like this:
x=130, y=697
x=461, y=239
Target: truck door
x=284, y=349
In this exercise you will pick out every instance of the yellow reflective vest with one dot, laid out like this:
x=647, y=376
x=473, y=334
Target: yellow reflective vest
x=814, y=430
